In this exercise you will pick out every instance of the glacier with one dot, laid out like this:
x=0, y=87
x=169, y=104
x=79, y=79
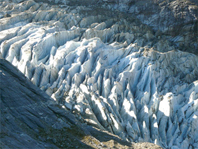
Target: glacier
x=110, y=71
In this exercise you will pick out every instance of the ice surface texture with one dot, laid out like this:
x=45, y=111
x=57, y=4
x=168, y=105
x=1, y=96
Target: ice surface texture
x=105, y=69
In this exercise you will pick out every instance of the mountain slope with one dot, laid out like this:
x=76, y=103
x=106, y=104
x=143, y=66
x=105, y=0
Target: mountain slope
x=30, y=119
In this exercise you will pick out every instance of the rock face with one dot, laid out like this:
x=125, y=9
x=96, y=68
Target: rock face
x=29, y=118
x=112, y=71
x=176, y=18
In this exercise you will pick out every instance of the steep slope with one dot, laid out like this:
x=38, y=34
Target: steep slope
x=112, y=71
x=30, y=119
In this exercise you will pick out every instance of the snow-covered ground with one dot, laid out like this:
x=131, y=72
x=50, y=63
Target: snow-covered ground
x=105, y=70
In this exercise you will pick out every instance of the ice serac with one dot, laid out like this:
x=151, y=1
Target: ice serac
x=111, y=71
x=29, y=118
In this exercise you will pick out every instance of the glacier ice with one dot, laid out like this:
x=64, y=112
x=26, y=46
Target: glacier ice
x=112, y=77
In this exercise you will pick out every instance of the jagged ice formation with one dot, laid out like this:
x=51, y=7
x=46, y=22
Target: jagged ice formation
x=112, y=71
